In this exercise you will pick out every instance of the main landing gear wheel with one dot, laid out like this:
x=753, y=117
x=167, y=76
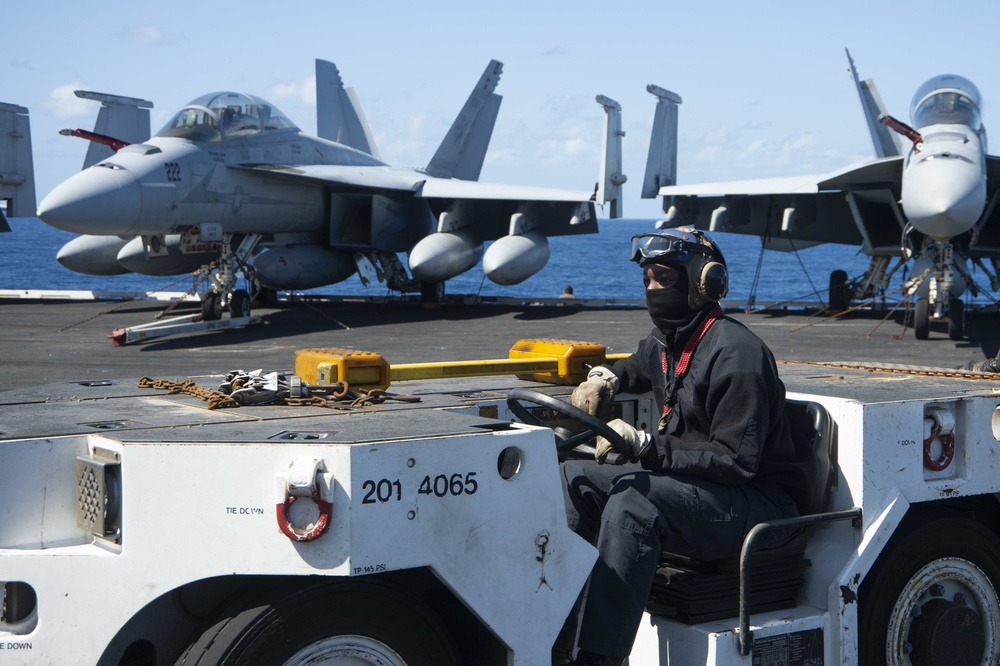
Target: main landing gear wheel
x=432, y=293
x=340, y=623
x=921, y=319
x=239, y=304
x=211, y=306
x=956, y=320
x=840, y=293
x=932, y=600
x=568, y=445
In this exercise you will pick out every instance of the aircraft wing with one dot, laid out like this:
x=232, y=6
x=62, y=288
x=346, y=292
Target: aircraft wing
x=856, y=205
x=555, y=212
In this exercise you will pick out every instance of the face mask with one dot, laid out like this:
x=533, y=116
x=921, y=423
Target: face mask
x=668, y=308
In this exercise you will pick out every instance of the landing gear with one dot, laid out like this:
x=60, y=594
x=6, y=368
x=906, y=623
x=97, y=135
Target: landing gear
x=956, y=320
x=239, y=304
x=932, y=597
x=432, y=292
x=921, y=319
x=211, y=306
x=840, y=291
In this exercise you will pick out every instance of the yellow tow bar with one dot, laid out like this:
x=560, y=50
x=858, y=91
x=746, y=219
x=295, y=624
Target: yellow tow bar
x=551, y=361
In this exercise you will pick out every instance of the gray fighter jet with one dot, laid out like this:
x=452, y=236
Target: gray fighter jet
x=936, y=204
x=232, y=177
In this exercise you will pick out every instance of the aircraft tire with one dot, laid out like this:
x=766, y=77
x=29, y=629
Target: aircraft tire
x=840, y=293
x=921, y=319
x=956, y=320
x=356, y=622
x=432, y=292
x=239, y=304
x=932, y=595
x=211, y=306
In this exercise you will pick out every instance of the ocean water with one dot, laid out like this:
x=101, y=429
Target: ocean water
x=596, y=265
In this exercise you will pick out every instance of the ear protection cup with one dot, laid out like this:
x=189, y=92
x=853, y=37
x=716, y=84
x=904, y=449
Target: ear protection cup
x=713, y=283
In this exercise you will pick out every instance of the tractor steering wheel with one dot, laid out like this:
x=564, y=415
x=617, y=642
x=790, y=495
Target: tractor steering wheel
x=567, y=445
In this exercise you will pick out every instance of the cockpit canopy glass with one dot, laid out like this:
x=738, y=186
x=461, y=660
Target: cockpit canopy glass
x=946, y=99
x=223, y=115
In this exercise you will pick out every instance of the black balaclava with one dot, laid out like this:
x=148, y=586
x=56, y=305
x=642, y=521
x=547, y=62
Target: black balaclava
x=668, y=308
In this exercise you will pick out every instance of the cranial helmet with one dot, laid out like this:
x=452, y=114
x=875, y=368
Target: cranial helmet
x=696, y=252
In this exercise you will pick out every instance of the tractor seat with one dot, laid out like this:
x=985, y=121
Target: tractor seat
x=694, y=591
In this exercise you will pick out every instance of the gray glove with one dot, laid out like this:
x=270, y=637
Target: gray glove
x=637, y=444
x=595, y=395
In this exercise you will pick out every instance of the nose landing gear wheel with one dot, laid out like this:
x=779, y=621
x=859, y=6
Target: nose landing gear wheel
x=956, y=320
x=921, y=319
x=211, y=306
x=239, y=304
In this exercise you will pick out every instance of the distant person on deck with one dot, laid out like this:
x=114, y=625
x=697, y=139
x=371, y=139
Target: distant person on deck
x=720, y=459
x=567, y=292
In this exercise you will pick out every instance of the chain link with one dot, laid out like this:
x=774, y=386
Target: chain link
x=241, y=388
x=903, y=369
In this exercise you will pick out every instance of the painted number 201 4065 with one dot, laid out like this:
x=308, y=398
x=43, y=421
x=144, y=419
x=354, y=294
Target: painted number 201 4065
x=441, y=485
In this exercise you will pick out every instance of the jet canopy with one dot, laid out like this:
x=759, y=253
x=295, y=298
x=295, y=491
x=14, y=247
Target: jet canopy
x=222, y=115
x=946, y=99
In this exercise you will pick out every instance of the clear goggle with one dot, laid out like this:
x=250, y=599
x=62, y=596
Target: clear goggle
x=653, y=246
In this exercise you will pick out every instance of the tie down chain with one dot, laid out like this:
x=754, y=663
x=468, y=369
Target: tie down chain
x=255, y=388
x=980, y=371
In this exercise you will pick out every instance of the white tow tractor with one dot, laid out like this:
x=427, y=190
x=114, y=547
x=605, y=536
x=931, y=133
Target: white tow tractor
x=139, y=526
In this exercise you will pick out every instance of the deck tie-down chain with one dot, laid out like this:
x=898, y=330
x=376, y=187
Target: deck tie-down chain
x=256, y=388
x=959, y=373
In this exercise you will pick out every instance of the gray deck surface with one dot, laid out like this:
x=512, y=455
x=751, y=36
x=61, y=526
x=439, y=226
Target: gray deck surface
x=67, y=341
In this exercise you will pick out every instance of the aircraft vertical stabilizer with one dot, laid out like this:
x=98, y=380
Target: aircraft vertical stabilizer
x=338, y=112
x=885, y=142
x=124, y=118
x=661, y=163
x=463, y=150
x=17, y=172
x=609, y=184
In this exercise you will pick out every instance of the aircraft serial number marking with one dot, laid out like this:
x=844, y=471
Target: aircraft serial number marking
x=442, y=485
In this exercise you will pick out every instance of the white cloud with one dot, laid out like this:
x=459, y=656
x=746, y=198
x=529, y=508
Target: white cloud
x=298, y=92
x=62, y=103
x=144, y=34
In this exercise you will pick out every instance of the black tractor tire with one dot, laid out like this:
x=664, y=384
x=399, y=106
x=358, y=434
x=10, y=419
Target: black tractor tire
x=932, y=596
x=358, y=621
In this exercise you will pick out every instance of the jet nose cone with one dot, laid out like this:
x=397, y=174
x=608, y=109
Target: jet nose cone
x=100, y=201
x=943, y=197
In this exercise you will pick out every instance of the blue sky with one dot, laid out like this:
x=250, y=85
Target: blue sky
x=765, y=85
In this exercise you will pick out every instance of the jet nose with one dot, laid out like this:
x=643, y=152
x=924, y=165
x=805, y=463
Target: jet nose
x=943, y=196
x=99, y=201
